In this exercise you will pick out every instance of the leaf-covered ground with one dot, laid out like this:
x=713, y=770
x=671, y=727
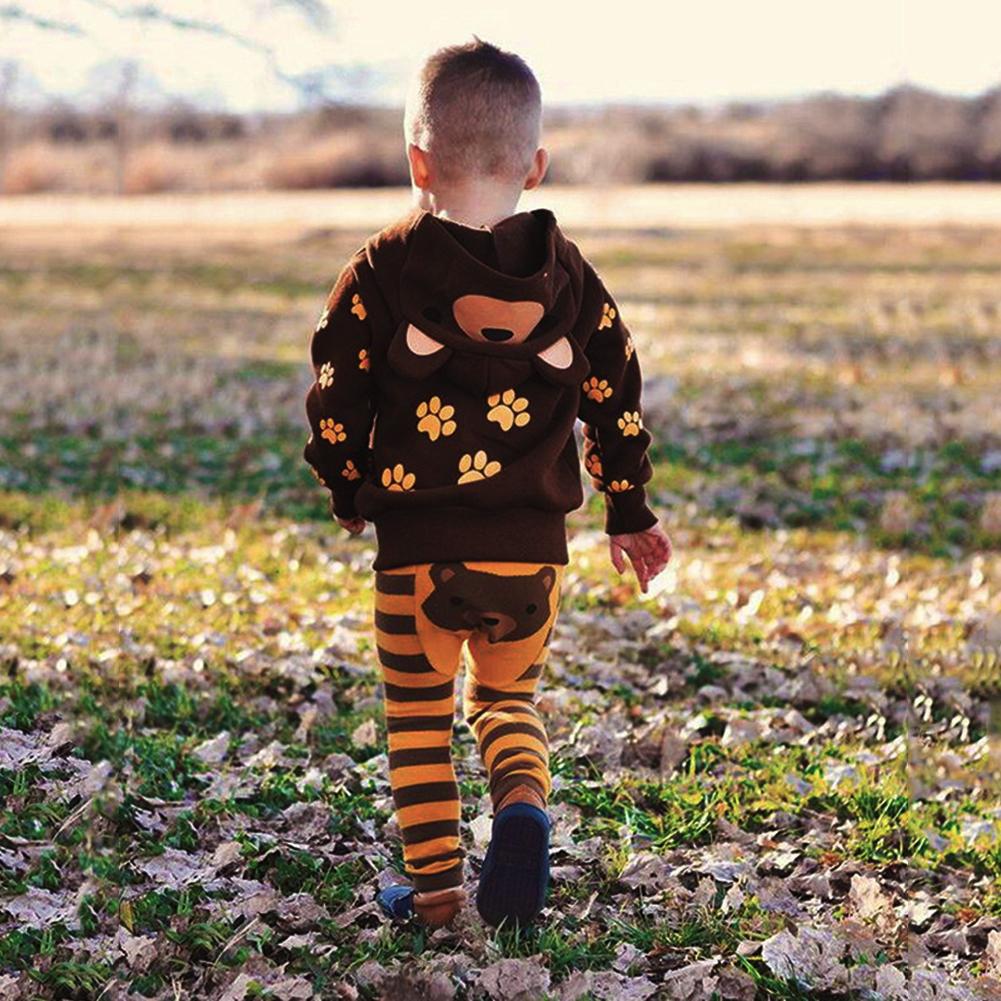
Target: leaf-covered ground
x=777, y=776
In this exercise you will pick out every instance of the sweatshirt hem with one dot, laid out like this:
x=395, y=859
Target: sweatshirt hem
x=446, y=534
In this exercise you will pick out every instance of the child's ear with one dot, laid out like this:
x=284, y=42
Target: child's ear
x=420, y=167
x=540, y=164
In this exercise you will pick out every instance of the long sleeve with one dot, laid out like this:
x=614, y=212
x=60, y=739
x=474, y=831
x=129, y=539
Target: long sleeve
x=615, y=441
x=340, y=404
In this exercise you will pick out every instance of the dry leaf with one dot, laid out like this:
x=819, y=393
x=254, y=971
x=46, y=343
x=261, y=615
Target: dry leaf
x=695, y=982
x=212, y=752
x=38, y=908
x=867, y=899
x=515, y=980
x=365, y=735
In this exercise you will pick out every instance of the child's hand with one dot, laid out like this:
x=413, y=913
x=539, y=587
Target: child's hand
x=354, y=525
x=648, y=551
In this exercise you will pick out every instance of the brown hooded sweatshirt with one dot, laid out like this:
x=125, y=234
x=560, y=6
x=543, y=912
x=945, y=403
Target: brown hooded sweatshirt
x=450, y=365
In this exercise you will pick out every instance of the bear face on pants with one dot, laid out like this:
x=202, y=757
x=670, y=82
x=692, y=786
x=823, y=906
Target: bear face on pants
x=506, y=608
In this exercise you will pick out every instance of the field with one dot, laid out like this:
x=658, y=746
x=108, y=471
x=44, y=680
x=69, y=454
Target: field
x=776, y=776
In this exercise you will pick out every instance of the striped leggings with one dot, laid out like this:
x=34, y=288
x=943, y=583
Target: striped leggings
x=424, y=614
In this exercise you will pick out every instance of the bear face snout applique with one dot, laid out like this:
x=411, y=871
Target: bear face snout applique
x=485, y=318
x=504, y=607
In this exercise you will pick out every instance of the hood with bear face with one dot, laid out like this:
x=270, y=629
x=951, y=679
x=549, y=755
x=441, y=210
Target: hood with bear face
x=489, y=307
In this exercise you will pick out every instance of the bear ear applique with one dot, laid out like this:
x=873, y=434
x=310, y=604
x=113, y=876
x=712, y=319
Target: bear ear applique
x=547, y=577
x=562, y=362
x=420, y=343
x=415, y=354
x=559, y=355
x=442, y=573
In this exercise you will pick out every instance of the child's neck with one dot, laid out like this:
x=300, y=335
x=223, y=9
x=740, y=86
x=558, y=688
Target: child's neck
x=477, y=204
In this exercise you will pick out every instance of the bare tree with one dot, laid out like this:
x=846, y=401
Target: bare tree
x=8, y=84
x=122, y=111
x=15, y=13
x=316, y=13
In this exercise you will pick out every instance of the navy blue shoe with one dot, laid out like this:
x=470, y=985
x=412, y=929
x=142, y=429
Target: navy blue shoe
x=397, y=901
x=515, y=874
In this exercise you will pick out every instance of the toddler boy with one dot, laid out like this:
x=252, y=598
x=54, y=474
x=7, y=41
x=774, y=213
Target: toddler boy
x=457, y=349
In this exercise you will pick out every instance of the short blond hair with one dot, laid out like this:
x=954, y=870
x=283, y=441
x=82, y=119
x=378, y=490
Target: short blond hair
x=476, y=110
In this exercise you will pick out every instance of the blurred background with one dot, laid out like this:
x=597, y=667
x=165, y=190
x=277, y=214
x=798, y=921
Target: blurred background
x=777, y=775
x=110, y=96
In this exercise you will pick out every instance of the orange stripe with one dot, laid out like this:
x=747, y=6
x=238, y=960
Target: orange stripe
x=512, y=568
x=412, y=775
x=512, y=740
x=398, y=644
x=407, y=679
x=436, y=867
x=394, y=604
x=471, y=706
x=422, y=813
x=423, y=849
x=490, y=721
x=408, y=739
x=436, y=707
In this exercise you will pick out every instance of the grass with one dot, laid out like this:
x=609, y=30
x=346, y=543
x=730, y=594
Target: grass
x=822, y=654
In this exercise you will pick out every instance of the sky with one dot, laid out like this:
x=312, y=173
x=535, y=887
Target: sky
x=698, y=51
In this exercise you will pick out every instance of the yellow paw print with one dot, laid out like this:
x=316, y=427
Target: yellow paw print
x=358, y=307
x=630, y=347
x=619, y=486
x=363, y=360
x=331, y=431
x=608, y=314
x=324, y=320
x=630, y=423
x=593, y=465
x=326, y=376
x=397, y=478
x=597, y=389
x=477, y=467
x=508, y=410
x=435, y=419
x=350, y=471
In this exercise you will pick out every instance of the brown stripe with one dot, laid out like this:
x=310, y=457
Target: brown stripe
x=425, y=792
x=411, y=663
x=427, y=693
x=505, y=729
x=505, y=786
x=524, y=710
x=510, y=752
x=394, y=583
x=423, y=863
x=395, y=625
x=420, y=756
x=532, y=671
x=417, y=834
x=482, y=693
x=403, y=724
x=473, y=718
x=438, y=880
x=513, y=768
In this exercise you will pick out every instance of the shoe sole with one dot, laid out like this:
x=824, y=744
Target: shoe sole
x=515, y=874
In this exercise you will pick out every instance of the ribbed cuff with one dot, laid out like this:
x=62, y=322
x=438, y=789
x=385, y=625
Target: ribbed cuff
x=628, y=512
x=457, y=534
